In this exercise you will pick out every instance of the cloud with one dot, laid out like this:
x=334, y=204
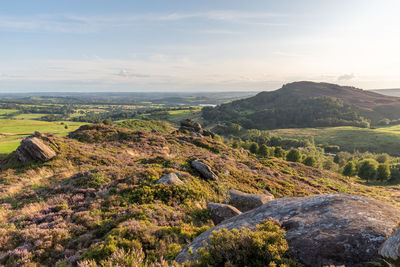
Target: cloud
x=70, y=23
x=346, y=77
x=128, y=74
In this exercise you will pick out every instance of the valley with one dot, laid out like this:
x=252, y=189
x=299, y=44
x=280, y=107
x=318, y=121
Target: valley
x=86, y=183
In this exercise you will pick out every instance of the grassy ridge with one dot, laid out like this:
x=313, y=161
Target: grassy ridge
x=380, y=140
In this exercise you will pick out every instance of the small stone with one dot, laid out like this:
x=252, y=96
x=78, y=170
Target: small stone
x=170, y=179
x=204, y=170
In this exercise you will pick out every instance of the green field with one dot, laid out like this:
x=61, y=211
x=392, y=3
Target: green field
x=29, y=116
x=5, y=112
x=175, y=116
x=13, y=131
x=380, y=140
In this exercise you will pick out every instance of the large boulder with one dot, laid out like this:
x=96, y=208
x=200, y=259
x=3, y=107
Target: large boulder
x=170, y=179
x=191, y=126
x=245, y=202
x=194, y=128
x=204, y=170
x=334, y=229
x=33, y=148
x=220, y=212
x=390, y=250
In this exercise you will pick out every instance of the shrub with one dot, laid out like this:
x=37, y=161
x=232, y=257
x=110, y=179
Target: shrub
x=279, y=152
x=263, y=151
x=294, y=155
x=310, y=161
x=130, y=258
x=254, y=148
x=263, y=246
x=168, y=194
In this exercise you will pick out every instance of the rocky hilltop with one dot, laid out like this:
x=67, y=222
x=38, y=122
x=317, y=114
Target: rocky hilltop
x=108, y=191
x=308, y=104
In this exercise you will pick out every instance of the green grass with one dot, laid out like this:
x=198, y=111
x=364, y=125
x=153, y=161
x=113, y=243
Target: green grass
x=29, y=116
x=7, y=147
x=13, y=131
x=7, y=111
x=380, y=140
x=147, y=125
x=177, y=115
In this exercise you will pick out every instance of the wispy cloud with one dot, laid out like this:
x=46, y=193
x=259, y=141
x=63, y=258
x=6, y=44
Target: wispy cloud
x=346, y=77
x=129, y=74
x=70, y=23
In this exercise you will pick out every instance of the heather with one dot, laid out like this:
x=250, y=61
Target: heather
x=98, y=198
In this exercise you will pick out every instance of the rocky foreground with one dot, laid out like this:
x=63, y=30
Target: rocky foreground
x=103, y=188
x=333, y=229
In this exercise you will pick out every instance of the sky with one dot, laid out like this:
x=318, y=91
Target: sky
x=207, y=45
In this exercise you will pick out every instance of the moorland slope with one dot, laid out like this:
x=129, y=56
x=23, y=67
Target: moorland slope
x=100, y=193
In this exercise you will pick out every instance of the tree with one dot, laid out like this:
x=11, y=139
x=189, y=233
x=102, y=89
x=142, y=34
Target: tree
x=383, y=172
x=254, y=148
x=349, y=169
x=310, y=161
x=233, y=128
x=294, y=155
x=336, y=159
x=108, y=121
x=279, y=152
x=263, y=151
x=329, y=164
x=66, y=126
x=382, y=158
x=367, y=169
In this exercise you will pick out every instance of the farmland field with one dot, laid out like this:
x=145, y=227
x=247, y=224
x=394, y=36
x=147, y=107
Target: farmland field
x=13, y=131
x=383, y=139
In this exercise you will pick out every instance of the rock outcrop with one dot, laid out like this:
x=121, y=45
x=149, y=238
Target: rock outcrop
x=194, y=128
x=390, y=250
x=220, y=212
x=204, y=170
x=33, y=148
x=334, y=229
x=170, y=179
x=245, y=202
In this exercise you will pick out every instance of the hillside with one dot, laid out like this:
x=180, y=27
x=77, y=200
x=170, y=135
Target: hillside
x=100, y=193
x=308, y=104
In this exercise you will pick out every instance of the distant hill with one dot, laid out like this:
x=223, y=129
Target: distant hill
x=388, y=92
x=309, y=104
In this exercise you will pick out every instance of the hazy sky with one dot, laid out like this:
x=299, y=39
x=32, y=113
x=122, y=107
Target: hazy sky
x=215, y=45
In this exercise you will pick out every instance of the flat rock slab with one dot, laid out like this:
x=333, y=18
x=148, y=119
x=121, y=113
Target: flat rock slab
x=204, y=170
x=33, y=148
x=390, y=250
x=334, y=229
x=245, y=202
x=220, y=212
